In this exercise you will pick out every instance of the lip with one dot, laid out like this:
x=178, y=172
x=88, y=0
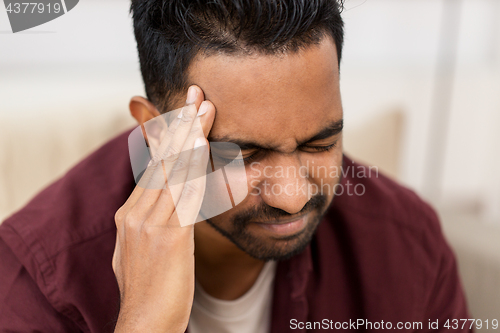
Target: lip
x=285, y=227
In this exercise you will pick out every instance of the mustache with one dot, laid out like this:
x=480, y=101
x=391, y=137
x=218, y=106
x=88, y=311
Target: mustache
x=264, y=212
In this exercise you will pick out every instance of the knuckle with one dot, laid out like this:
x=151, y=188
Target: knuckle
x=191, y=189
x=180, y=164
x=131, y=221
x=120, y=215
x=196, y=161
x=148, y=232
x=172, y=154
x=171, y=160
x=196, y=129
x=187, y=117
x=171, y=131
x=114, y=265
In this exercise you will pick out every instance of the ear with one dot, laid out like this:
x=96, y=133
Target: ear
x=142, y=109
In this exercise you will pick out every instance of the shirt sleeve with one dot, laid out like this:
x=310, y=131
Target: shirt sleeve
x=23, y=307
x=446, y=304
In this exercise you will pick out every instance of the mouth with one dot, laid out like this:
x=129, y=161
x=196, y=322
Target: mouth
x=285, y=227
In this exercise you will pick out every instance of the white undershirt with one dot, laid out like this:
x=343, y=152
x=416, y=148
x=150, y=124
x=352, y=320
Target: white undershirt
x=248, y=314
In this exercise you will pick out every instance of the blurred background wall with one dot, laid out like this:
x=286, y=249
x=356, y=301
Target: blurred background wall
x=420, y=82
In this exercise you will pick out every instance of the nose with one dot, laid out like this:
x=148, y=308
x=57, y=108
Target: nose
x=284, y=184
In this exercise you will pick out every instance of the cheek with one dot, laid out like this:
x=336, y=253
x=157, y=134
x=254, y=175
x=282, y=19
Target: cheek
x=325, y=171
x=227, y=192
x=222, y=193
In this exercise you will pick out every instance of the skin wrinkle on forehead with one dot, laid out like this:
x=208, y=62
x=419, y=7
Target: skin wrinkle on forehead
x=224, y=92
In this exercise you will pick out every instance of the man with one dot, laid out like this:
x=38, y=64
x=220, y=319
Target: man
x=93, y=252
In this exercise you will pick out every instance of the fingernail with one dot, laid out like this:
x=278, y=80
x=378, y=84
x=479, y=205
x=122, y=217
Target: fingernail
x=200, y=142
x=203, y=109
x=180, y=114
x=191, y=95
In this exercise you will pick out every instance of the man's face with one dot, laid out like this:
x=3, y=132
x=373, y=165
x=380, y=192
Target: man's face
x=285, y=113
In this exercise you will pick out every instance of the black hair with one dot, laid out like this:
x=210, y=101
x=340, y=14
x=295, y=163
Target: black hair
x=169, y=33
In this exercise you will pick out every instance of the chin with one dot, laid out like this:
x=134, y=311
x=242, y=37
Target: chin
x=264, y=242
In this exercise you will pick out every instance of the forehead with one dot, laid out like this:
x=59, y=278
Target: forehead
x=271, y=99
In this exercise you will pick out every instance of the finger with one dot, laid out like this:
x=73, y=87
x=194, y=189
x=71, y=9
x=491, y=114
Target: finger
x=192, y=190
x=207, y=119
x=180, y=169
x=156, y=173
x=161, y=134
x=150, y=172
x=200, y=96
x=170, y=144
x=176, y=157
x=194, y=97
x=183, y=171
x=154, y=177
x=201, y=127
x=176, y=136
x=161, y=166
x=190, y=201
x=168, y=156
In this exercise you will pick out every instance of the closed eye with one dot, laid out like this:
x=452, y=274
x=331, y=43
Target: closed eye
x=254, y=156
x=318, y=148
x=238, y=161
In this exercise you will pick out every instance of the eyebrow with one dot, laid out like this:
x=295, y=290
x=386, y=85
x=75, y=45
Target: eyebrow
x=330, y=130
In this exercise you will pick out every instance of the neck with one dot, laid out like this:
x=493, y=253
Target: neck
x=222, y=269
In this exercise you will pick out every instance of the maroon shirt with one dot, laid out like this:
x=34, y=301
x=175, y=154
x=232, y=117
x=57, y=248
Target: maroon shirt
x=380, y=256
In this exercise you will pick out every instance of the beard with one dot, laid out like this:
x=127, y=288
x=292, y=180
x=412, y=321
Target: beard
x=272, y=248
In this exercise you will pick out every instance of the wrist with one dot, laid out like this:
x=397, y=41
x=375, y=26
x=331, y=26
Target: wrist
x=160, y=322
